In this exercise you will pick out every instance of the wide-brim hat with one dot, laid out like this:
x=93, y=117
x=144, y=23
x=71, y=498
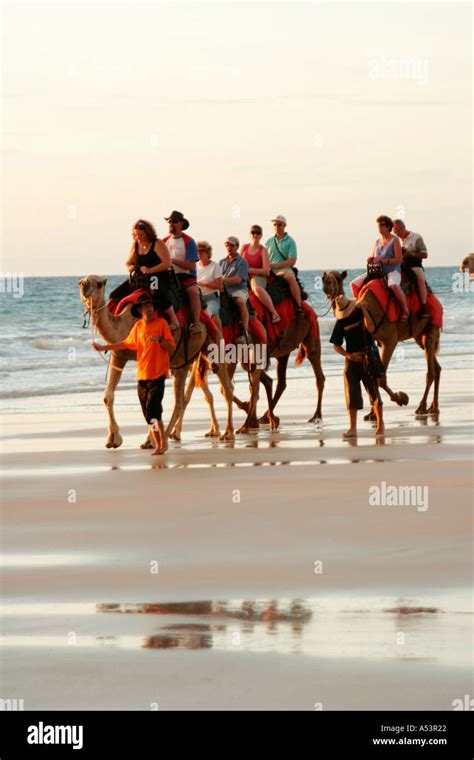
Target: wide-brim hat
x=177, y=216
x=344, y=307
x=144, y=298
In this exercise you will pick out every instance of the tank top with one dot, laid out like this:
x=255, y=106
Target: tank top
x=151, y=259
x=254, y=260
x=385, y=251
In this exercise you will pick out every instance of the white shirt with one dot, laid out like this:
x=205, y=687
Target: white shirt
x=413, y=243
x=209, y=272
x=177, y=250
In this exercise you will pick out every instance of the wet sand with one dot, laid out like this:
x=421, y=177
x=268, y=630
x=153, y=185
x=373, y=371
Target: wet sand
x=308, y=594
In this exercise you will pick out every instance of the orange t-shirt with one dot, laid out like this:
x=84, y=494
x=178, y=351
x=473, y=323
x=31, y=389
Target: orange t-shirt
x=152, y=358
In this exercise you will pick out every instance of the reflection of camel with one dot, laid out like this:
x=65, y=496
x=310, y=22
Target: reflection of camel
x=296, y=334
x=467, y=264
x=179, y=641
x=115, y=329
x=389, y=334
x=297, y=610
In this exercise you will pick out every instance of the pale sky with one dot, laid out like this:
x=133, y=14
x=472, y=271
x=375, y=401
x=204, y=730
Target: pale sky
x=329, y=113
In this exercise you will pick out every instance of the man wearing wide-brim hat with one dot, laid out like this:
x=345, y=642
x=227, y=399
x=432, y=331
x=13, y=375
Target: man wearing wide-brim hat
x=184, y=256
x=354, y=327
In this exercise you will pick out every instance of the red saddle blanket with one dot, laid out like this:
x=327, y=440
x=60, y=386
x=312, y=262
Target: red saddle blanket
x=380, y=291
x=256, y=331
x=182, y=314
x=287, y=311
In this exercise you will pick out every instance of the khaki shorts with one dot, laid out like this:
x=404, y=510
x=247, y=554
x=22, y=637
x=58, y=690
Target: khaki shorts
x=286, y=271
x=243, y=294
x=258, y=281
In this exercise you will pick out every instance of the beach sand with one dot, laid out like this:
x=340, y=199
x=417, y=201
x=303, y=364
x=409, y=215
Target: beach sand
x=310, y=596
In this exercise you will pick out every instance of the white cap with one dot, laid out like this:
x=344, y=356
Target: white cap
x=280, y=218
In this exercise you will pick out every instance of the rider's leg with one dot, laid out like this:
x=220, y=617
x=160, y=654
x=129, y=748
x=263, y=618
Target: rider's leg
x=394, y=279
x=294, y=287
x=244, y=315
x=357, y=283
x=194, y=302
x=264, y=298
x=420, y=278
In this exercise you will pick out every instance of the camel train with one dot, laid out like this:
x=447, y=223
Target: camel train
x=297, y=330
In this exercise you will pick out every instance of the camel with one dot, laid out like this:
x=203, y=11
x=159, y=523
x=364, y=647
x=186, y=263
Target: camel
x=115, y=329
x=297, y=334
x=388, y=334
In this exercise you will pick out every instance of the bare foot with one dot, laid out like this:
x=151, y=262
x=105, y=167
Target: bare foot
x=380, y=432
x=350, y=434
x=156, y=451
x=276, y=318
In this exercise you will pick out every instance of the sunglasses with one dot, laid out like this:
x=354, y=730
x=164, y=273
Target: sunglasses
x=140, y=226
x=255, y=232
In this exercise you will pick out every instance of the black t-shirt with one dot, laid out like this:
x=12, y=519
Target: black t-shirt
x=352, y=330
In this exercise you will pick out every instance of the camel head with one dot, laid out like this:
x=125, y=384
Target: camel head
x=92, y=290
x=333, y=284
x=467, y=264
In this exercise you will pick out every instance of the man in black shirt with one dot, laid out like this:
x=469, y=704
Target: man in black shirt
x=354, y=327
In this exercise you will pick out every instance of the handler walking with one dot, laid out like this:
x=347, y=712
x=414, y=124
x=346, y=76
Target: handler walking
x=151, y=338
x=354, y=326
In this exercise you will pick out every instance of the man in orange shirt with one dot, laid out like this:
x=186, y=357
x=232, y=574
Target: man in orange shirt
x=151, y=338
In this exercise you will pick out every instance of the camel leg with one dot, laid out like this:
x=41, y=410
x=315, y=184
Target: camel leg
x=430, y=346
x=269, y=417
x=251, y=420
x=178, y=410
x=175, y=433
x=214, y=429
x=399, y=397
x=117, y=364
x=313, y=351
x=434, y=408
x=267, y=383
x=244, y=405
x=223, y=373
x=386, y=354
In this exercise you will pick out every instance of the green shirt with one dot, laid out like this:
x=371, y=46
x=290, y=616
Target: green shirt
x=287, y=248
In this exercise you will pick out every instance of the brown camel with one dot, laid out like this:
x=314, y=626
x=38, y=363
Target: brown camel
x=115, y=329
x=388, y=334
x=297, y=334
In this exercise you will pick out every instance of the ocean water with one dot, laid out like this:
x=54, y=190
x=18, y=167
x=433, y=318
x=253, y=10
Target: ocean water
x=45, y=353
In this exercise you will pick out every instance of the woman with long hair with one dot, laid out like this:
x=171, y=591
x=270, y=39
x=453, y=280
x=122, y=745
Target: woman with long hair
x=149, y=257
